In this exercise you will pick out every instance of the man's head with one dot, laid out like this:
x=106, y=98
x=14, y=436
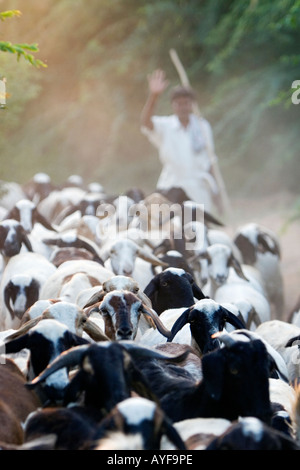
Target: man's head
x=182, y=100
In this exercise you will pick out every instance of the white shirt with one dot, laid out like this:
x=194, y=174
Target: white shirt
x=182, y=165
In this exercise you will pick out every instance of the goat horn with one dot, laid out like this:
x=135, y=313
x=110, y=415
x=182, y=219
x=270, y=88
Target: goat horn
x=69, y=358
x=97, y=297
x=147, y=256
x=26, y=327
x=158, y=323
x=94, y=331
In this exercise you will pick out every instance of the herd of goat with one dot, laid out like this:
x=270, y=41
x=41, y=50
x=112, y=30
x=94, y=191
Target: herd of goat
x=125, y=328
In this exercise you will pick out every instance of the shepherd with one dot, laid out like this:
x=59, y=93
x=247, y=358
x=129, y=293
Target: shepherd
x=185, y=144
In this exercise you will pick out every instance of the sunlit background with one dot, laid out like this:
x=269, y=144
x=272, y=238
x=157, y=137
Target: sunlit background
x=81, y=113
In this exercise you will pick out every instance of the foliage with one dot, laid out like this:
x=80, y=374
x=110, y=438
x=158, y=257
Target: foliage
x=20, y=49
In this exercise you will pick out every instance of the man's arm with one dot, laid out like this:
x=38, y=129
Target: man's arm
x=157, y=84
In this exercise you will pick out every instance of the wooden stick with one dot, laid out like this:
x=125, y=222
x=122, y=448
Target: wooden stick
x=214, y=162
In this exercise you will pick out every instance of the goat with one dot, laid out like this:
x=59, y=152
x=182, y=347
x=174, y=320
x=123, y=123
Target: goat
x=13, y=237
x=174, y=259
x=61, y=255
x=86, y=206
x=205, y=318
x=231, y=282
x=283, y=337
x=191, y=366
x=45, y=341
x=279, y=369
x=57, y=200
x=21, y=284
x=117, y=282
x=67, y=313
x=249, y=433
x=16, y=403
x=172, y=288
x=94, y=274
x=121, y=312
x=71, y=239
x=69, y=429
x=26, y=212
x=107, y=374
x=142, y=420
x=38, y=187
x=135, y=422
x=220, y=259
x=120, y=255
x=235, y=383
x=260, y=248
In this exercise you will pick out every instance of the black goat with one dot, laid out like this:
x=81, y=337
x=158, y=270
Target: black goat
x=139, y=419
x=172, y=288
x=235, y=383
x=252, y=434
x=107, y=373
x=206, y=318
x=45, y=341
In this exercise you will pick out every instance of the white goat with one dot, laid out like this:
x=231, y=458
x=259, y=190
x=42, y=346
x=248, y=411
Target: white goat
x=21, y=284
x=121, y=315
x=230, y=282
x=91, y=269
x=278, y=334
x=120, y=255
x=260, y=247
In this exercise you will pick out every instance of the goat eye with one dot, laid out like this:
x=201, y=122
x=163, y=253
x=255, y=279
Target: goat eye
x=164, y=283
x=233, y=371
x=104, y=311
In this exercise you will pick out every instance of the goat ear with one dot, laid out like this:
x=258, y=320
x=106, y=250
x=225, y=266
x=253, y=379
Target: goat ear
x=213, y=372
x=180, y=322
x=169, y=430
x=292, y=340
x=151, y=288
x=233, y=319
x=267, y=244
x=26, y=241
x=197, y=292
x=43, y=221
x=253, y=317
x=75, y=340
x=246, y=248
x=16, y=345
x=235, y=264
